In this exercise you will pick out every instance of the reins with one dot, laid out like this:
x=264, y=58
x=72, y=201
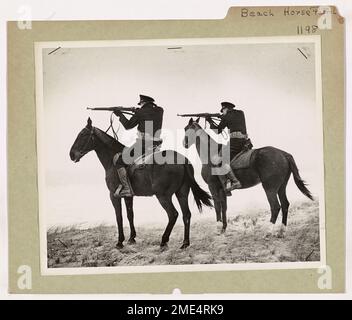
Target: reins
x=111, y=126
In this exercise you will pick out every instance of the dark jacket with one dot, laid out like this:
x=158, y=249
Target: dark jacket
x=234, y=120
x=149, y=112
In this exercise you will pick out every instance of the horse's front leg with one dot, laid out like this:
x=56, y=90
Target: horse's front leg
x=130, y=215
x=223, y=200
x=118, y=211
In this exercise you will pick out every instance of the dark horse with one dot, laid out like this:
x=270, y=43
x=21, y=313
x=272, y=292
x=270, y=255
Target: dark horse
x=161, y=180
x=270, y=166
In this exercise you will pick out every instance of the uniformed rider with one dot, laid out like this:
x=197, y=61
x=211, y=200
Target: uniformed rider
x=148, y=119
x=234, y=120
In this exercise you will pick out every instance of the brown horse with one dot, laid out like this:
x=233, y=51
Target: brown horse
x=161, y=180
x=270, y=166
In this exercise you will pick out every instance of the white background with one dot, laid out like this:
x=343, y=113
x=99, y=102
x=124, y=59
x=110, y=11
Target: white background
x=118, y=9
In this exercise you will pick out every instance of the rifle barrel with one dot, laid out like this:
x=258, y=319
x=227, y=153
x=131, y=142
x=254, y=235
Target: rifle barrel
x=129, y=111
x=202, y=115
x=101, y=108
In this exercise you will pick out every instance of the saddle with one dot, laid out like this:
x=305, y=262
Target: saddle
x=157, y=157
x=143, y=160
x=242, y=160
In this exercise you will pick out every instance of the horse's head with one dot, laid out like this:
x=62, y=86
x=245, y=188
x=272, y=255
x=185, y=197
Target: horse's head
x=84, y=142
x=192, y=130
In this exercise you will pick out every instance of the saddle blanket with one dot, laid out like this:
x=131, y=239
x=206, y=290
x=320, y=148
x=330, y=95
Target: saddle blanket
x=242, y=160
x=158, y=157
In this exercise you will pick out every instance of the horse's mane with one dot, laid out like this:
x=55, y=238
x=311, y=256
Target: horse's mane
x=109, y=141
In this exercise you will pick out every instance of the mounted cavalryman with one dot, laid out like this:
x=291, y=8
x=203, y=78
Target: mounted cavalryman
x=235, y=121
x=148, y=119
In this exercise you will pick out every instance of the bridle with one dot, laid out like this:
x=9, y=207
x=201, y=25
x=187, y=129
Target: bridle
x=192, y=127
x=89, y=140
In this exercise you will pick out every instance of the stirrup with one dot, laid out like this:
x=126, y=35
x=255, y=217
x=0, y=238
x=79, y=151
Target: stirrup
x=117, y=191
x=120, y=192
x=125, y=193
x=232, y=185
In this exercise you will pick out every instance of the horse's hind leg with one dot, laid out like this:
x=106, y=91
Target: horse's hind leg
x=172, y=213
x=271, y=194
x=182, y=197
x=130, y=216
x=284, y=207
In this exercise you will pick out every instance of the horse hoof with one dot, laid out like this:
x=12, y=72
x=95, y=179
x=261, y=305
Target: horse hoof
x=219, y=226
x=280, y=235
x=267, y=236
x=119, y=245
x=131, y=241
x=223, y=230
x=163, y=245
x=184, y=246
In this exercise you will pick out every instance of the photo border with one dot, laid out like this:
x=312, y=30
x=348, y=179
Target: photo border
x=40, y=46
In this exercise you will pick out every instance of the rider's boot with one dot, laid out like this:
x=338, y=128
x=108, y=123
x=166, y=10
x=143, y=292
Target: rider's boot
x=228, y=180
x=126, y=189
x=232, y=182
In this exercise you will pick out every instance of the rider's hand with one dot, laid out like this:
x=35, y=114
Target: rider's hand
x=209, y=119
x=117, y=113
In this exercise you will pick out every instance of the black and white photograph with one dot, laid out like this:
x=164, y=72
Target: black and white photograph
x=180, y=155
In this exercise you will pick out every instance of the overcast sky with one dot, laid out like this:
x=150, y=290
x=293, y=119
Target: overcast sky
x=274, y=84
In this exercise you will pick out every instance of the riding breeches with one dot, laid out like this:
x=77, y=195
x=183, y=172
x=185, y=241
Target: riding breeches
x=236, y=145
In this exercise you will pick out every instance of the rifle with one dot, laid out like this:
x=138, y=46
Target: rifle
x=201, y=115
x=210, y=117
x=126, y=110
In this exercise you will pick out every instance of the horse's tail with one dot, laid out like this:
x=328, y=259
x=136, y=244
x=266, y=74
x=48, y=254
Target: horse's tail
x=200, y=196
x=300, y=183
